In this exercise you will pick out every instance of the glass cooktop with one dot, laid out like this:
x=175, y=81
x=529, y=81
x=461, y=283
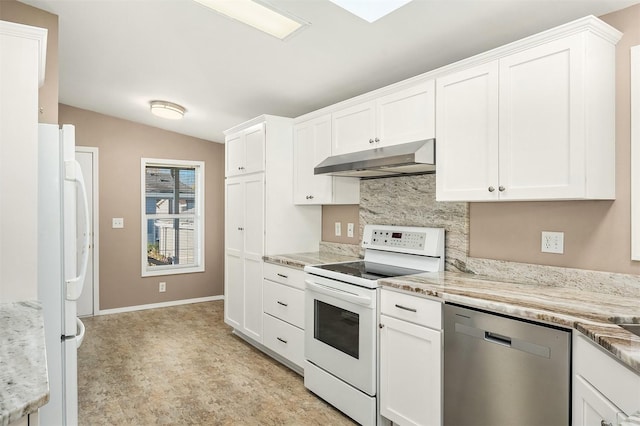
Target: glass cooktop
x=368, y=270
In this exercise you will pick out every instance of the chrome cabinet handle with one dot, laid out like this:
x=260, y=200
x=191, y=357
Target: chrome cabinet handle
x=405, y=308
x=282, y=275
x=377, y=140
x=282, y=303
x=282, y=340
x=309, y=197
x=240, y=229
x=491, y=189
x=501, y=188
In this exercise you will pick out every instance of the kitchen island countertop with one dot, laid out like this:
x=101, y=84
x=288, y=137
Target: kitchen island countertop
x=23, y=361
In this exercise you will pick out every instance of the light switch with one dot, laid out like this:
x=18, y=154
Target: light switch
x=338, y=226
x=117, y=222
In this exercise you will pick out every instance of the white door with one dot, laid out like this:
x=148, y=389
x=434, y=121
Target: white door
x=312, y=141
x=353, y=128
x=88, y=302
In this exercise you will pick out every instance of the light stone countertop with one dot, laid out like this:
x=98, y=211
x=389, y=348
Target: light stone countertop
x=300, y=260
x=593, y=314
x=24, y=383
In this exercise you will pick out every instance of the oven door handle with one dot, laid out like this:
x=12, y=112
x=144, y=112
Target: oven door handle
x=341, y=294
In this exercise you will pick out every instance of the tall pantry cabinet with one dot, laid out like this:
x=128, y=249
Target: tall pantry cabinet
x=260, y=217
x=22, y=62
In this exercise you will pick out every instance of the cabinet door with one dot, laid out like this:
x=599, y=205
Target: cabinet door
x=234, y=158
x=467, y=135
x=407, y=115
x=542, y=132
x=353, y=128
x=254, y=141
x=253, y=251
x=410, y=373
x=233, y=290
x=312, y=144
x=590, y=407
x=234, y=248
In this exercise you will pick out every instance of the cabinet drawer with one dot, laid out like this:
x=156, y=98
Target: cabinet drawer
x=411, y=308
x=284, y=275
x=283, y=302
x=284, y=339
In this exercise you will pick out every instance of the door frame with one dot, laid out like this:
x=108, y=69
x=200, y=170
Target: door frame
x=96, y=226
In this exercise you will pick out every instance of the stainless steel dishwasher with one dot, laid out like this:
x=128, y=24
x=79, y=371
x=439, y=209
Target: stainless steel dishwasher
x=503, y=371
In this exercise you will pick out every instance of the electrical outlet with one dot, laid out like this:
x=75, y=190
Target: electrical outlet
x=338, y=229
x=553, y=242
x=350, y=230
x=162, y=287
x=117, y=222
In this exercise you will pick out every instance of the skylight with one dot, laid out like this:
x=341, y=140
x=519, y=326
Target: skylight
x=370, y=10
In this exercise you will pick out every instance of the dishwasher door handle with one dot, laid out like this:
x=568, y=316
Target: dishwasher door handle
x=506, y=341
x=497, y=338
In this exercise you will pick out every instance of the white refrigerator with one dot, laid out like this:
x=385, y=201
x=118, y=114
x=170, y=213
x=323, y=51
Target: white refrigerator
x=61, y=191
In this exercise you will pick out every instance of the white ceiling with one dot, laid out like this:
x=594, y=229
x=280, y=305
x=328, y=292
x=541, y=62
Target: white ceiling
x=117, y=55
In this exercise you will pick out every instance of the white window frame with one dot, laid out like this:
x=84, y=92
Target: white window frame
x=199, y=222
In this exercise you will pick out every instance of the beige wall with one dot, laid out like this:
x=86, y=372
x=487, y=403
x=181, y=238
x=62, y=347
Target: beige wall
x=14, y=11
x=121, y=144
x=597, y=233
x=343, y=214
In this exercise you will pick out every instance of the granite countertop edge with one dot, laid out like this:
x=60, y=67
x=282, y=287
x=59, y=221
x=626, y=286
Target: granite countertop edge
x=593, y=314
x=23, y=362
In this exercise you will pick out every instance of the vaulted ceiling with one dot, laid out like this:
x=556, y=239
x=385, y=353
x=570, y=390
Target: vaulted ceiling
x=117, y=55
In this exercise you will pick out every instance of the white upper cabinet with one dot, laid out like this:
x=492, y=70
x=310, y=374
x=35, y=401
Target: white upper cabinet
x=405, y=115
x=312, y=144
x=467, y=155
x=537, y=124
x=245, y=151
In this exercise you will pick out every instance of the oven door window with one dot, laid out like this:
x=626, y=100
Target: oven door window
x=337, y=327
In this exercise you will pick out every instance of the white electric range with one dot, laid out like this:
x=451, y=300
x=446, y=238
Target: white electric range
x=341, y=311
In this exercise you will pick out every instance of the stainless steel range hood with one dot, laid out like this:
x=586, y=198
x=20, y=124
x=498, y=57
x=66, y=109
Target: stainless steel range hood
x=398, y=160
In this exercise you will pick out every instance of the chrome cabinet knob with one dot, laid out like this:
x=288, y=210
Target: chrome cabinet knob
x=605, y=423
x=491, y=189
x=309, y=197
x=377, y=140
x=240, y=229
x=501, y=188
x=370, y=140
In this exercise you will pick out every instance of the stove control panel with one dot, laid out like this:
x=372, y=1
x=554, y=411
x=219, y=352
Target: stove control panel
x=418, y=240
x=388, y=238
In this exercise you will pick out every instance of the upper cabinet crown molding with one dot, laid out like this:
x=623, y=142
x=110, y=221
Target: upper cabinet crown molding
x=39, y=35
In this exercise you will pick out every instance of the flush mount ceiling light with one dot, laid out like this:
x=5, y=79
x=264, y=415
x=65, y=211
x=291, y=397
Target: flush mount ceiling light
x=166, y=109
x=257, y=14
x=370, y=10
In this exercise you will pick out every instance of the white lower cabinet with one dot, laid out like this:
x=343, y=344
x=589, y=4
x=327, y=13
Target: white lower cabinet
x=410, y=359
x=283, y=312
x=604, y=390
x=284, y=339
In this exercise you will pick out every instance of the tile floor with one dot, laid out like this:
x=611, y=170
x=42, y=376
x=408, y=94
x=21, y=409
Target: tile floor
x=182, y=366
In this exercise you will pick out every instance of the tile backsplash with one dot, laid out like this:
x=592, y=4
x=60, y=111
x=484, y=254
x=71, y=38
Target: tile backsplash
x=410, y=201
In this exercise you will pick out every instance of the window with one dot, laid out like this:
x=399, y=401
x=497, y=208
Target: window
x=172, y=217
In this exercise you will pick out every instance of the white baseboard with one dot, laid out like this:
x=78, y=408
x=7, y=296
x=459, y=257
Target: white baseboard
x=159, y=305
